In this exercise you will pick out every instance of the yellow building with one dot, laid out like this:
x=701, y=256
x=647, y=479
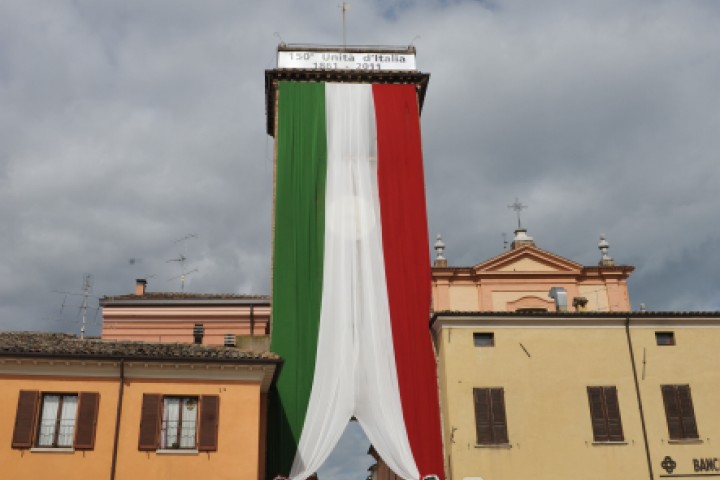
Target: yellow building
x=545, y=393
x=92, y=409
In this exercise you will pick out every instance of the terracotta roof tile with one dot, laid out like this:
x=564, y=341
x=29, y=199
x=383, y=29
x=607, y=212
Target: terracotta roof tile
x=45, y=344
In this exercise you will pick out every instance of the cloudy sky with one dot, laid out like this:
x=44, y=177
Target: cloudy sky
x=128, y=125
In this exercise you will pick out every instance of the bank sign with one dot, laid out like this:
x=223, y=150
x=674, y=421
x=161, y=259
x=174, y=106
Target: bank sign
x=700, y=467
x=317, y=60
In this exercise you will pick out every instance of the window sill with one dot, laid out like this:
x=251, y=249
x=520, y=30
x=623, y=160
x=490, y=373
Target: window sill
x=52, y=450
x=687, y=441
x=493, y=445
x=610, y=443
x=177, y=451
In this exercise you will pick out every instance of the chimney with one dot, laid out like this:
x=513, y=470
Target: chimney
x=140, y=285
x=560, y=296
x=198, y=333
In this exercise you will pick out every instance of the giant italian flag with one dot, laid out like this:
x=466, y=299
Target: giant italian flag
x=351, y=280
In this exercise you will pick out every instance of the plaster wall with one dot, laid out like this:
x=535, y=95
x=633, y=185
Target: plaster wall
x=239, y=430
x=239, y=435
x=693, y=361
x=175, y=324
x=33, y=463
x=545, y=373
x=463, y=297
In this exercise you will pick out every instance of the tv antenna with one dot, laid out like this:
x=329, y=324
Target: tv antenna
x=181, y=260
x=83, y=307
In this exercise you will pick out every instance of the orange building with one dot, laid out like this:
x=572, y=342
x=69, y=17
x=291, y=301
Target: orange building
x=96, y=409
x=183, y=317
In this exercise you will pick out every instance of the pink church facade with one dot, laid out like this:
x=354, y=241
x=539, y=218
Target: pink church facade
x=522, y=279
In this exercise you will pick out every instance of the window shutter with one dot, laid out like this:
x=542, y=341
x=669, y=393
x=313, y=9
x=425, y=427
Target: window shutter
x=597, y=414
x=87, y=413
x=25, y=419
x=499, y=422
x=612, y=407
x=687, y=413
x=209, y=414
x=672, y=412
x=149, y=422
x=482, y=415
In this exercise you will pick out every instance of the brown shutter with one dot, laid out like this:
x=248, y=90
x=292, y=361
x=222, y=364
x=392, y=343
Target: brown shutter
x=672, y=412
x=687, y=413
x=499, y=421
x=597, y=414
x=482, y=415
x=87, y=413
x=612, y=408
x=149, y=422
x=25, y=419
x=209, y=414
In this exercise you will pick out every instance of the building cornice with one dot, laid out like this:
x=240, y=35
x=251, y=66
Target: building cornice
x=419, y=79
x=440, y=320
x=263, y=373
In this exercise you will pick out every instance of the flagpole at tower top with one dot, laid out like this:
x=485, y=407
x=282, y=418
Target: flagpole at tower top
x=344, y=7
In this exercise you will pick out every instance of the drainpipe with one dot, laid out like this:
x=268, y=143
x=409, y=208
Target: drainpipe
x=639, y=399
x=252, y=319
x=121, y=387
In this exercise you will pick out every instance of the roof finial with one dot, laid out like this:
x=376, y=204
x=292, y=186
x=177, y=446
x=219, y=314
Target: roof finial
x=521, y=237
x=518, y=207
x=440, y=260
x=603, y=245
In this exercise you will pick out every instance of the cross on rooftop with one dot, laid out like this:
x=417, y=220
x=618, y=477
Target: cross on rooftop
x=518, y=207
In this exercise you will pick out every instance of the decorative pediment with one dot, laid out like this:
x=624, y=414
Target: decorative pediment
x=528, y=259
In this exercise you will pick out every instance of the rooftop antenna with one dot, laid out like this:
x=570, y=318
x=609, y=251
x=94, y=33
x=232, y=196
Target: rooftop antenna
x=518, y=207
x=182, y=259
x=87, y=288
x=282, y=42
x=344, y=7
x=505, y=242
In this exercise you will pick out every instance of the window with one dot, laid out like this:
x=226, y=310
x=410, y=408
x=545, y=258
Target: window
x=679, y=412
x=605, y=414
x=175, y=422
x=665, y=338
x=56, y=420
x=484, y=339
x=490, y=421
x=178, y=422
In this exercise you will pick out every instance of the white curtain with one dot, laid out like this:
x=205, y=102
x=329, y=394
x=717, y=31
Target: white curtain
x=189, y=415
x=355, y=367
x=67, y=421
x=48, y=420
x=171, y=418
